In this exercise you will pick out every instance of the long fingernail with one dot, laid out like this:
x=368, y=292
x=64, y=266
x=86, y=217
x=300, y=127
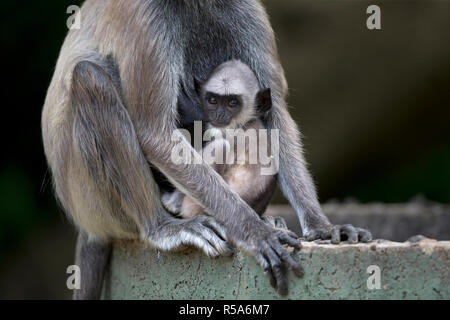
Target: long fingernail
x=283, y=291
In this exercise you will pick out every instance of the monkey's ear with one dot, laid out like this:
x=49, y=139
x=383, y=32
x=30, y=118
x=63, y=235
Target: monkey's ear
x=264, y=100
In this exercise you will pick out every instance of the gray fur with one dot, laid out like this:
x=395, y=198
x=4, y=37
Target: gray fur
x=112, y=106
x=92, y=257
x=237, y=79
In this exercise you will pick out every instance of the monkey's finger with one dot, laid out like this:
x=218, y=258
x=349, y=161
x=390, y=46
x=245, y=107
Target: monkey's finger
x=278, y=269
x=205, y=238
x=290, y=233
x=217, y=242
x=280, y=274
x=350, y=232
x=313, y=235
x=200, y=240
x=287, y=258
x=280, y=223
x=225, y=249
x=267, y=269
x=290, y=241
x=336, y=235
x=364, y=235
x=216, y=227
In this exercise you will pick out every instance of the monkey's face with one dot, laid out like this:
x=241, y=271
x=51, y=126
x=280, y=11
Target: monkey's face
x=221, y=109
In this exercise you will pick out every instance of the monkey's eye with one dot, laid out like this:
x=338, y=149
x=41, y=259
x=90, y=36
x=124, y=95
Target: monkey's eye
x=233, y=103
x=212, y=100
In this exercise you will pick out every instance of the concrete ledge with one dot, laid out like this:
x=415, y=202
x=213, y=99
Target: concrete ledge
x=396, y=221
x=408, y=271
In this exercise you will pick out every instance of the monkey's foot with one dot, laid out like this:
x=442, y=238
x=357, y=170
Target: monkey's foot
x=202, y=232
x=173, y=201
x=338, y=233
x=276, y=222
x=279, y=224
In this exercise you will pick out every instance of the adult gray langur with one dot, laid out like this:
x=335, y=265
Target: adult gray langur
x=112, y=107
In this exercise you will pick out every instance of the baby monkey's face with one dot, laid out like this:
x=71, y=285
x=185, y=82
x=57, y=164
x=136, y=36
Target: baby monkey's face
x=221, y=109
x=232, y=97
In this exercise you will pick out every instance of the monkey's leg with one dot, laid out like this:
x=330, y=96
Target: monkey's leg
x=178, y=203
x=114, y=182
x=173, y=201
x=91, y=257
x=190, y=208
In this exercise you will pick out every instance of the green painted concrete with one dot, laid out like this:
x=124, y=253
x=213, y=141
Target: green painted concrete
x=408, y=271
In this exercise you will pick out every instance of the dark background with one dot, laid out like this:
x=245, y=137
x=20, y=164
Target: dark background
x=373, y=106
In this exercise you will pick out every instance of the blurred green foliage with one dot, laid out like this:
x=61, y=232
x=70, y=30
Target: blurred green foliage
x=31, y=35
x=429, y=176
x=18, y=207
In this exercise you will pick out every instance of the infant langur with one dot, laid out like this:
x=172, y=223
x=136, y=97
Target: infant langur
x=235, y=105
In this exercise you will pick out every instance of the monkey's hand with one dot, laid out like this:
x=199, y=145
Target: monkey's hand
x=338, y=233
x=266, y=243
x=202, y=232
x=279, y=224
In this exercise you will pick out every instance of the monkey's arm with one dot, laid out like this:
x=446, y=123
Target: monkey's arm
x=293, y=176
x=176, y=202
x=298, y=186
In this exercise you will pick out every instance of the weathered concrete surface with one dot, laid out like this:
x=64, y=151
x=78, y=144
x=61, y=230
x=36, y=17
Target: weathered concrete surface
x=397, y=221
x=408, y=271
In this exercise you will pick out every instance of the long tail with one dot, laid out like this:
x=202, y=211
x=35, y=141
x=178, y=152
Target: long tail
x=92, y=257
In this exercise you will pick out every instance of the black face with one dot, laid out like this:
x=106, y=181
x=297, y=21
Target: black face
x=221, y=109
